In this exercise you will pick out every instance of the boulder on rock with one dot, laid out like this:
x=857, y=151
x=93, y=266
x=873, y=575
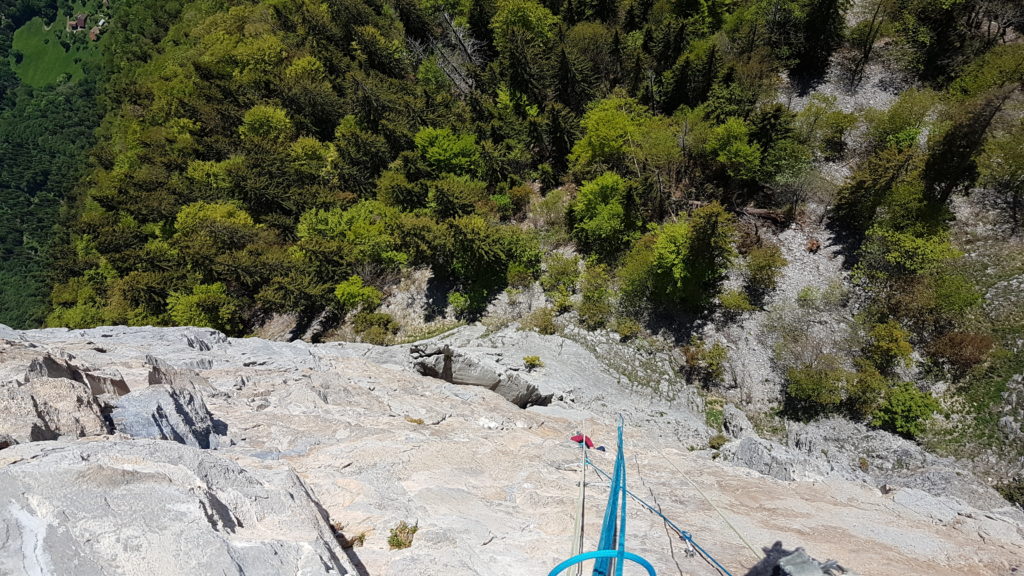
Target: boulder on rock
x=171, y=408
x=149, y=507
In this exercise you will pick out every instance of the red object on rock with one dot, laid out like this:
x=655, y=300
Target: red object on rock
x=581, y=439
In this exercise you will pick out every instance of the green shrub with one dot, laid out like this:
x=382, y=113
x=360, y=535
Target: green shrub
x=601, y=224
x=208, y=305
x=595, y=307
x=541, y=320
x=815, y=389
x=375, y=327
x=519, y=275
x=905, y=410
x=888, y=346
x=865, y=389
x=353, y=295
x=401, y=536
x=764, y=265
x=628, y=329
x=560, y=274
x=532, y=362
x=714, y=412
x=691, y=258
x=736, y=302
x=1012, y=490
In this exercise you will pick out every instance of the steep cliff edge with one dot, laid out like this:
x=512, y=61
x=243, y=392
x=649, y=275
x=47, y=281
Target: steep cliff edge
x=182, y=451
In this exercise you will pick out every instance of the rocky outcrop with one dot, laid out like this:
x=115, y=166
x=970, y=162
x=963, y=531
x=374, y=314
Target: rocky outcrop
x=736, y=424
x=174, y=411
x=48, y=408
x=148, y=507
x=773, y=459
x=100, y=382
x=441, y=361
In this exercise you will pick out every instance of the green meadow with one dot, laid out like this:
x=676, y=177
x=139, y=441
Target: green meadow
x=44, y=59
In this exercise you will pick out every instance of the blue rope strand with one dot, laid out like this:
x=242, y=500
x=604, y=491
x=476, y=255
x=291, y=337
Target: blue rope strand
x=682, y=533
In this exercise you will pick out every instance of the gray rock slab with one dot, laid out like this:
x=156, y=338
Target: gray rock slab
x=156, y=508
x=172, y=411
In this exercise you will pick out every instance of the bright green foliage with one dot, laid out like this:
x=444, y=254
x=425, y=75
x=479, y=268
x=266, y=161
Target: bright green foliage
x=401, y=535
x=730, y=145
x=595, y=307
x=888, y=346
x=905, y=410
x=891, y=254
x=367, y=232
x=532, y=362
x=204, y=231
x=352, y=294
x=208, y=305
x=823, y=126
x=691, y=258
x=736, y=302
x=601, y=224
x=265, y=125
x=622, y=135
x=445, y=152
x=611, y=127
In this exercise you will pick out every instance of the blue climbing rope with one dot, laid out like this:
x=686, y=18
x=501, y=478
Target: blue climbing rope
x=682, y=533
x=611, y=545
x=612, y=542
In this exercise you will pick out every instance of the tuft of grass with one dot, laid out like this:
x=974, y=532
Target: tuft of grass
x=717, y=441
x=411, y=420
x=402, y=535
x=715, y=412
x=532, y=362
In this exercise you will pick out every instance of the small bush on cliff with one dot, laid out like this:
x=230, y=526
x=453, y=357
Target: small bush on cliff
x=401, y=535
x=905, y=410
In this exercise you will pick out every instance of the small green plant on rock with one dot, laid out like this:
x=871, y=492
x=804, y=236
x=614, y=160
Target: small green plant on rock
x=401, y=535
x=532, y=362
x=717, y=441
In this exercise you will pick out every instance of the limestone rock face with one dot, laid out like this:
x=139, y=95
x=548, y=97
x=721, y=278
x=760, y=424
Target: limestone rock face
x=736, y=423
x=48, y=408
x=151, y=507
x=772, y=459
x=354, y=439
